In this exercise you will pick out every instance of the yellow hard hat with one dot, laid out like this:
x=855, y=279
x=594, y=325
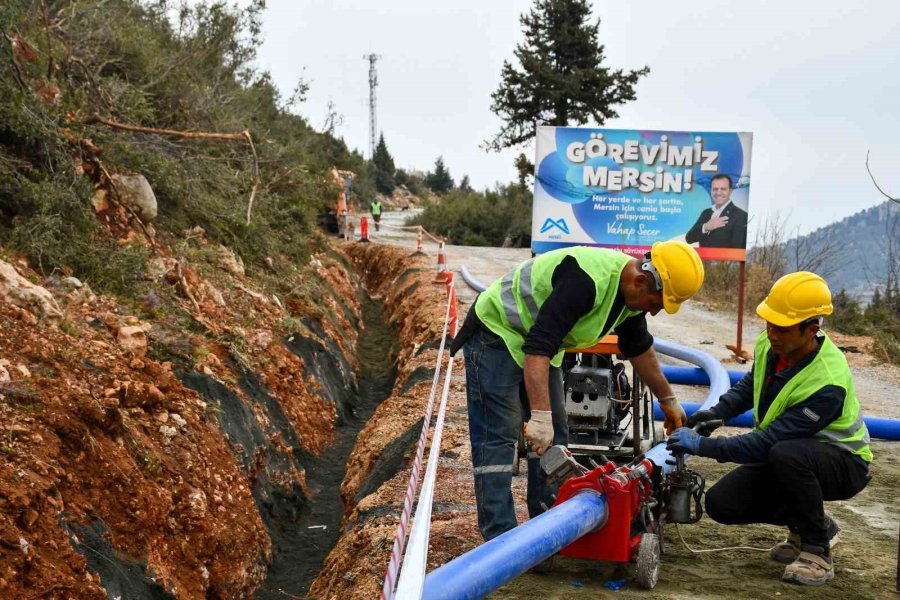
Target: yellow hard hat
x=680, y=272
x=795, y=298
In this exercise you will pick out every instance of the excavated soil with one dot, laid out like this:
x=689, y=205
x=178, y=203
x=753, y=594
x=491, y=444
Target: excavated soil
x=865, y=558
x=200, y=457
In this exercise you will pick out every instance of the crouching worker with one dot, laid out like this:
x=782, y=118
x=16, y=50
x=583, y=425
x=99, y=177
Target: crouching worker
x=809, y=444
x=519, y=329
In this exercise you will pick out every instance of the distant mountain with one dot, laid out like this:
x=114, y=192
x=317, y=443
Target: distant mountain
x=851, y=253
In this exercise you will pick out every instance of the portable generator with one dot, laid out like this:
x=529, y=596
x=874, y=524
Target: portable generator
x=609, y=417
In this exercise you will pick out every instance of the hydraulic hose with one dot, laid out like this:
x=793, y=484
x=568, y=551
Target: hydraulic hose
x=469, y=279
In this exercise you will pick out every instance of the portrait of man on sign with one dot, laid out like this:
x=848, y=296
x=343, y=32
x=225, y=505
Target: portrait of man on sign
x=724, y=224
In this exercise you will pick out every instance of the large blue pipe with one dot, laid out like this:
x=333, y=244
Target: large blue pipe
x=695, y=375
x=881, y=428
x=480, y=571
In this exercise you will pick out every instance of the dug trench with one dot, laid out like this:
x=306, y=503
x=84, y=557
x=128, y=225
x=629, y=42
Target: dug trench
x=301, y=542
x=304, y=522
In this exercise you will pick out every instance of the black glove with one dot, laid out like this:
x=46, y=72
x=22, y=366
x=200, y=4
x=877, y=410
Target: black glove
x=701, y=416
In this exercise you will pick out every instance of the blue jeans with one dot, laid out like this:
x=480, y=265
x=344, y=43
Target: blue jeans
x=495, y=419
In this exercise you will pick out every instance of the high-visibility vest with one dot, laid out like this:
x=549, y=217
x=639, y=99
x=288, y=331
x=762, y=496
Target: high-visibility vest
x=376, y=209
x=509, y=307
x=829, y=367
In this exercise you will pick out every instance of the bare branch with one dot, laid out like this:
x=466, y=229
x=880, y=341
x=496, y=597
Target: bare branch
x=255, y=174
x=185, y=135
x=243, y=136
x=875, y=183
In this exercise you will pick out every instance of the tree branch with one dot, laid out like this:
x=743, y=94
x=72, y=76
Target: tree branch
x=184, y=135
x=243, y=136
x=875, y=183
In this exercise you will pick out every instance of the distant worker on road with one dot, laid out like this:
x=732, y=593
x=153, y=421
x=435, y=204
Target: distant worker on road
x=519, y=329
x=375, y=209
x=724, y=224
x=810, y=442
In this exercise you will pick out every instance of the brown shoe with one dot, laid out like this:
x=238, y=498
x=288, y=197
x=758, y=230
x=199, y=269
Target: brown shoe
x=809, y=569
x=787, y=551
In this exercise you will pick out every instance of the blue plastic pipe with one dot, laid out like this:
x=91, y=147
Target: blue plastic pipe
x=879, y=427
x=695, y=375
x=478, y=572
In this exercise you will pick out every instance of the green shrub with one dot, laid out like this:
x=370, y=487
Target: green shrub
x=848, y=316
x=497, y=218
x=163, y=65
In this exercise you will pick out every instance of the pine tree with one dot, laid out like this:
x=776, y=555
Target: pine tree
x=384, y=168
x=465, y=185
x=560, y=79
x=439, y=180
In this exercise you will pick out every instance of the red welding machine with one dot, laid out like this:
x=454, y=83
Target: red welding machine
x=631, y=531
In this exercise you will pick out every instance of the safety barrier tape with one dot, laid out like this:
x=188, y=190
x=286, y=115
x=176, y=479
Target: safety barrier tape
x=412, y=228
x=412, y=577
x=390, y=579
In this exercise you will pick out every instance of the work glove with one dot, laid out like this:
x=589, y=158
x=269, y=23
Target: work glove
x=675, y=415
x=684, y=440
x=539, y=431
x=705, y=422
x=701, y=416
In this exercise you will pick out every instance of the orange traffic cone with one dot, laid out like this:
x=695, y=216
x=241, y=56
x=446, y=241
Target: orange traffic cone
x=442, y=271
x=419, y=241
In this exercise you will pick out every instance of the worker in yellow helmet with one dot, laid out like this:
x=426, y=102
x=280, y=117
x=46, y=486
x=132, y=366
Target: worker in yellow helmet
x=809, y=443
x=519, y=329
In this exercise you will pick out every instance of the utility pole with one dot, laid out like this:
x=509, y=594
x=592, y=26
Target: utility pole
x=373, y=83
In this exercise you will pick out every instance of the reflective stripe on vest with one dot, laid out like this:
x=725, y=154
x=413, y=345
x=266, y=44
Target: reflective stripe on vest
x=510, y=305
x=828, y=367
x=525, y=292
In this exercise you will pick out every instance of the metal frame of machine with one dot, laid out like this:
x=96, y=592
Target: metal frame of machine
x=601, y=405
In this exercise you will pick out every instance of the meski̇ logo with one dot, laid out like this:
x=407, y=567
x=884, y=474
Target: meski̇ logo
x=558, y=224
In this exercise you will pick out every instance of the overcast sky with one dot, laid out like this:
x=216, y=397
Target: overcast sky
x=817, y=82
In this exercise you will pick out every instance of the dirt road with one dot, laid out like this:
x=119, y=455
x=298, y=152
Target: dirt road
x=866, y=556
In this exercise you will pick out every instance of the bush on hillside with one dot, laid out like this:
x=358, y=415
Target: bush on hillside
x=496, y=218
x=160, y=65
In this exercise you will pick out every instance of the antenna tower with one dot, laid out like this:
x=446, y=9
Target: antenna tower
x=373, y=83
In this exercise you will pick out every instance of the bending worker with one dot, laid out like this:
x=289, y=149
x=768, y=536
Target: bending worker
x=810, y=442
x=520, y=327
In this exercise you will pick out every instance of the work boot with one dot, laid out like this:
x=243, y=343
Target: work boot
x=812, y=567
x=787, y=551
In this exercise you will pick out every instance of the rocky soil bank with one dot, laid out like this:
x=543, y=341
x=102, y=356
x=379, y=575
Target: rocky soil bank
x=162, y=448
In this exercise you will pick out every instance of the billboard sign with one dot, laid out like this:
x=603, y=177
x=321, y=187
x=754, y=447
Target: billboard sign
x=626, y=189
